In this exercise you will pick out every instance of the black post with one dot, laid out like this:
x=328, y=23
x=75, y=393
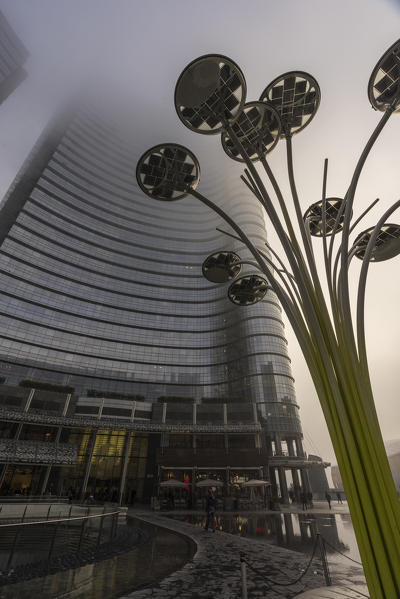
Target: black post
x=10, y=557
x=100, y=531
x=81, y=534
x=324, y=560
x=52, y=542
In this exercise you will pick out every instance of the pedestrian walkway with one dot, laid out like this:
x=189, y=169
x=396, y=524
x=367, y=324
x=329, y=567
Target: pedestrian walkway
x=214, y=572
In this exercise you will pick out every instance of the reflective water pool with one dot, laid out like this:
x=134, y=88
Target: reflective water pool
x=295, y=531
x=162, y=554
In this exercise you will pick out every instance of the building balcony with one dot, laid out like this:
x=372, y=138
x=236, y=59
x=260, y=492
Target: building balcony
x=295, y=461
x=212, y=458
x=30, y=452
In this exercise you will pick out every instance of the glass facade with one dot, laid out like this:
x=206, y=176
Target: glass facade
x=102, y=297
x=102, y=288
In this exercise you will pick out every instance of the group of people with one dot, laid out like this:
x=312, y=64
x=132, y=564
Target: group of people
x=306, y=498
x=328, y=497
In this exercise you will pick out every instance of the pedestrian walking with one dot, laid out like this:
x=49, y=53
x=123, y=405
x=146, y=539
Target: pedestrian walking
x=328, y=498
x=210, y=510
x=303, y=497
x=339, y=497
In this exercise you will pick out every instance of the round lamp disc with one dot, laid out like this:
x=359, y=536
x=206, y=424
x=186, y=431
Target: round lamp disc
x=314, y=217
x=210, y=92
x=248, y=290
x=166, y=171
x=384, y=82
x=387, y=244
x=296, y=97
x=258, y=128
x=221, y=267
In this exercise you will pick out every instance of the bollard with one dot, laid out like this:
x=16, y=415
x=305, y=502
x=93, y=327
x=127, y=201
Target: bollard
x=243, y=574
x=324, y=560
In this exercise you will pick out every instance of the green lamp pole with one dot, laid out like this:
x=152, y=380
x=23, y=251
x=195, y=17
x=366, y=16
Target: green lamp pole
x=210, y=98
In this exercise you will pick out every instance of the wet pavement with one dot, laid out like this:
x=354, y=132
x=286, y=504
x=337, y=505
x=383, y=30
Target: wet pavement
x=214, y=572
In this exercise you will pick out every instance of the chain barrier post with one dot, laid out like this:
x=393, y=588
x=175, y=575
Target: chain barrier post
x=100, y=531
x=10, y=557
x=53, y=540
x=324, y=560
x=81, y=534
x=243, y=574
x=114, y=525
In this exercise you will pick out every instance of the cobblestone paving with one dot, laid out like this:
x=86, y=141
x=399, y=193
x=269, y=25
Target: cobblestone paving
x=214, y=571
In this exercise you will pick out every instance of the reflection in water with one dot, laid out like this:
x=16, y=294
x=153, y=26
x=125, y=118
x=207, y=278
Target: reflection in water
x=294, y=531
x=162, y=554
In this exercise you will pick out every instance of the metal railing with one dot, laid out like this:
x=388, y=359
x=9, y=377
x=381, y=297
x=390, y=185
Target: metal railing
x=11, y=415
x=50, y=539
x=24, y=511
x=17, y=499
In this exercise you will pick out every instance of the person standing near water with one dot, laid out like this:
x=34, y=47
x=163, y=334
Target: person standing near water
x=328, y=498
x=210, y=510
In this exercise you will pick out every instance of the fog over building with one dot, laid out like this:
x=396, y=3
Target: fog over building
x=13, y=54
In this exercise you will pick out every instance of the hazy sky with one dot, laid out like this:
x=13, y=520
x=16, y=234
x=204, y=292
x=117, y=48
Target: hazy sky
x=143, y=47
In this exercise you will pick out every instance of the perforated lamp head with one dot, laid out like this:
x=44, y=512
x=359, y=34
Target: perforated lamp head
x=210, y=92
x=167, y=171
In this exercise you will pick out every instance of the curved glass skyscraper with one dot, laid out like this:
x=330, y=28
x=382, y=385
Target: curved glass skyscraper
x=102, y=292
x=102, y=288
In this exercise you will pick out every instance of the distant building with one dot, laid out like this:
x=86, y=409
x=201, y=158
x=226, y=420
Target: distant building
x=317, y=475
x=13, y=54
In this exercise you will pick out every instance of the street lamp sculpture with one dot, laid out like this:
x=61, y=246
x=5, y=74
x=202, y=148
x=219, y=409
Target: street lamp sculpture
x=210, y=98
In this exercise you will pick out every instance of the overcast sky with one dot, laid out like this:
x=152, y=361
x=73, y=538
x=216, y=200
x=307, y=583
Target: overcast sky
x=143, y=46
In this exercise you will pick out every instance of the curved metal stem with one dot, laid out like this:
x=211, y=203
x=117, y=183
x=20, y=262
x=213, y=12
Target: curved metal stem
x=344, y=300
x=291, y=309
x=362, y=350
x=291, y=278
x=279, y=195
x=353, y=226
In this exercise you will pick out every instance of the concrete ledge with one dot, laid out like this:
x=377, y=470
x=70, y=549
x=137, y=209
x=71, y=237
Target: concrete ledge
x=337, y=592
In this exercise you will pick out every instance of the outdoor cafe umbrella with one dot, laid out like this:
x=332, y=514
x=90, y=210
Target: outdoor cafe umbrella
x=173, y=484
x=255, y=482
x=209, y=482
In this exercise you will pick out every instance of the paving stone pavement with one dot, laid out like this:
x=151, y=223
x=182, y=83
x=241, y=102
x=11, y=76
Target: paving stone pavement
x=214, y=571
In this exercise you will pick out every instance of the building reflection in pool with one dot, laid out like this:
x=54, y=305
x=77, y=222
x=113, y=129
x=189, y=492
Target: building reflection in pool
x=295, y=531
